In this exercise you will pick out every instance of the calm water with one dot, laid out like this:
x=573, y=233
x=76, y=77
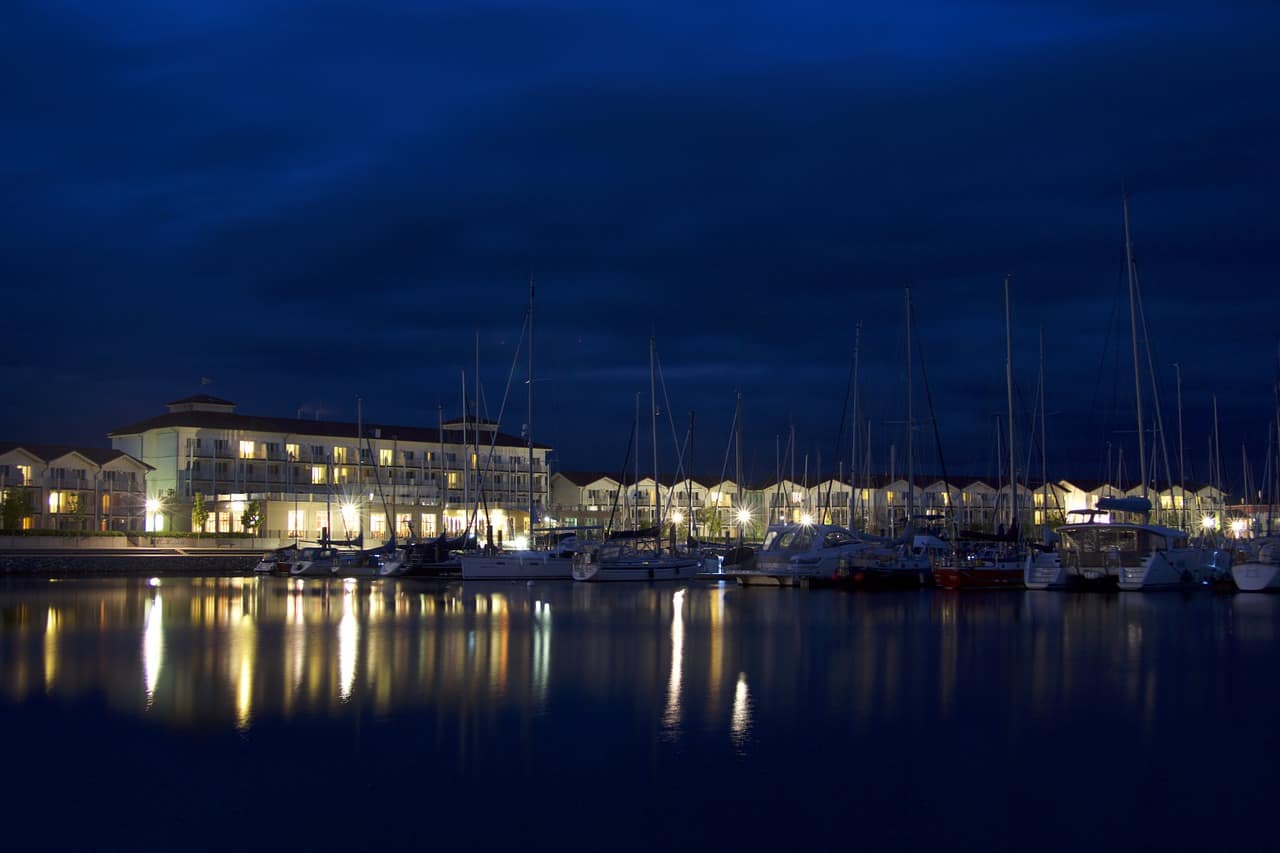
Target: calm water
x=246, y=712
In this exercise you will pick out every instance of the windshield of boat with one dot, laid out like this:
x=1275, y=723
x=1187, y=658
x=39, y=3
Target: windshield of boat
x=789, y=539
x=836, y=538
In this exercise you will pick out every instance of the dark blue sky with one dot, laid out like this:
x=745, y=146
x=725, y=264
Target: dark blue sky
x=310, y=202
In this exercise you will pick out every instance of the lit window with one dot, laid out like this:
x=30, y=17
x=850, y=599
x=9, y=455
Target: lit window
x=341, y=475
x=384, y=457
x=246, y=450
x=377, y=523
x=317, y=474
x=25, y=472
x=291, y=450
x=339, y=455
x=453, y=479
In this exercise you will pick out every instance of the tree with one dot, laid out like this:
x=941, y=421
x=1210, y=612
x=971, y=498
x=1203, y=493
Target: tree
x=251, y=518
x=711, y=521
x=15, y=507
x=199, y=515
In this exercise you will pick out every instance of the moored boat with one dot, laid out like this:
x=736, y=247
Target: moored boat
x=1261, y=572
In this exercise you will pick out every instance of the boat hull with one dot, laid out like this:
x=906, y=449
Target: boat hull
x=637, y=570
x=979, y=577
x=1256, y=577
x=517, y=567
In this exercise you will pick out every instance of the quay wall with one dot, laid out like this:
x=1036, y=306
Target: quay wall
x=132, y=562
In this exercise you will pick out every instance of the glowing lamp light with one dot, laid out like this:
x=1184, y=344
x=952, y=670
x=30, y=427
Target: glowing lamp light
x=349, y=514
x=806, y=520
x=677, y=517
x=1237, y=527
x=153, y=505
x=744, y=516
x=1208, y=522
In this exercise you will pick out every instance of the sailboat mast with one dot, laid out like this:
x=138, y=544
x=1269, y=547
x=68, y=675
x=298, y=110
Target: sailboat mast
x=1182, y=473
x=1044, y=449
x=911, y=500
x=529, y=425
x=853, y=451
x=1008, y=384
x=466, y=464
x=737, y=467
x=653, y=423
x=1133, y=323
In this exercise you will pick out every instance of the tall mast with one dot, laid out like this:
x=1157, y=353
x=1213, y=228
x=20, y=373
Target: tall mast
x=529, y=425
x=688, y=480
x=853, y=451
x=1044, y=450
x=635, y=485
x=1133, y=323
x=444, y=477
x=737, y=467
x=911, y=499
x=466, y=457
x=1008, y=384
x=653, y=423
x=1182, y=472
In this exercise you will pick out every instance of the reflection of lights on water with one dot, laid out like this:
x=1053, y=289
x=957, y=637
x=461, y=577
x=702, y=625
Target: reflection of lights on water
x=348, y=642
x=243, y=651
x=152, y=647
x=541, y=648
x=671, y=716
x=741, y=721
x=153, y=582
x=50, y=649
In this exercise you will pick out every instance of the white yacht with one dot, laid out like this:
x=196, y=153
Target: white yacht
x=1261, y=572
x=1132, y=555
x=555, y=563
x=795, y=554
x=622, y=561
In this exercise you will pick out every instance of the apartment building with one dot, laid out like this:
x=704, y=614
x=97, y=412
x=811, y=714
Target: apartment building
x=315, y=478
x=66, y=487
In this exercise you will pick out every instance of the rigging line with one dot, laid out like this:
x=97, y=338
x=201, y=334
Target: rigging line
x=724, y=467
x=844, y=414
x=1151, y=371
x=1094, y=425
x=622, y=477
x=493, y=440
x=675, y=436
x=949, y=512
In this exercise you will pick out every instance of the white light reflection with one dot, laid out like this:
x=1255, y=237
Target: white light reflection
x=740, y=725
x=671, y=716
x=541, y=650
x=152, y=647
x=348, y=642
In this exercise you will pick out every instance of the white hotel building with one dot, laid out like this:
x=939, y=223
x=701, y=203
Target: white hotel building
x=310, y=476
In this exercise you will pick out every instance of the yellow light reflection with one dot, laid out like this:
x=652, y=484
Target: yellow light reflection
x=348, y=643
x=50, y=650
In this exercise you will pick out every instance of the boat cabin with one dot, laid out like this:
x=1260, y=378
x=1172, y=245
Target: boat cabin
x=1101, y=546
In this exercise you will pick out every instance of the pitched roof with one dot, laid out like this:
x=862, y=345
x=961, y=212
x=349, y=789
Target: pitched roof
x=302, y=427
x=48, y=452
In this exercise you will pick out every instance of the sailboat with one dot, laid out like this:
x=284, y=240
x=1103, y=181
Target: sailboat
x=627, y=560
x=552, y=563
x=1005, y=569
x=1129, y=553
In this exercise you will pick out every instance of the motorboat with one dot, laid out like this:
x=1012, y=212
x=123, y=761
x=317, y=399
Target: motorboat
x=317, y=561
x=1261, y=571
x=554, y=563
x=279, y=560
x=1129, y=555
x=800, y=554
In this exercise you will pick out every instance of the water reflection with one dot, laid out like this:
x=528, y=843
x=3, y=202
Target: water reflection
x=230, y=652
x=671, y=715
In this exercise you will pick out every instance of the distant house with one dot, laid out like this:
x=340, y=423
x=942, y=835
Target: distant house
x=76, y=488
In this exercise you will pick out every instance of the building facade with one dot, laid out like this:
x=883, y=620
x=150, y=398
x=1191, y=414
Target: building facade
x=318, y=479
x=74, y=488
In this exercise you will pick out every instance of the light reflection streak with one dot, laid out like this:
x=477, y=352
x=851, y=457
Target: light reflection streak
x=541, y=650
x=50, y=650
x=740, y=724
x=671, y=716
x=152, y=647
x=348, y=642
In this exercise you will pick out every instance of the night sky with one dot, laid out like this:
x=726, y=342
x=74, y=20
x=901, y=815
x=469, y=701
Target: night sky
x=310, y=202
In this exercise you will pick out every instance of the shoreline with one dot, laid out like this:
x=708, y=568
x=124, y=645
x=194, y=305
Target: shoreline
x=161, y=561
